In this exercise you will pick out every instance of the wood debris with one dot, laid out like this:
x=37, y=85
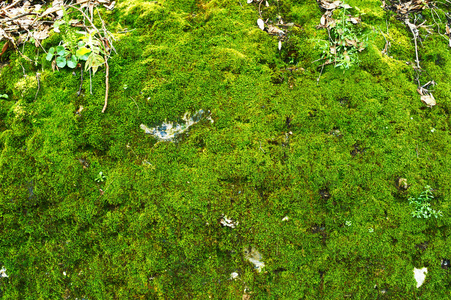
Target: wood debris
x=32, y=20
x=426, y=95
x=405, y=10
x=411, y=6
x=429, y=100
x=328, y=5
x=327, y=21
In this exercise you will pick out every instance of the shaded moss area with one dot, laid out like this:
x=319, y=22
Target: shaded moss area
x=281, y=144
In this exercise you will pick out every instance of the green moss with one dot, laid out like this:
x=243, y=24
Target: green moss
x=281, y=144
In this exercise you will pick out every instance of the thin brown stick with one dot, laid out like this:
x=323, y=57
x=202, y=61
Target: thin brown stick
x=414, y=30
x=90, y=21
x=105, y=32
x=12, y=5
x=19, y=16
x=259, y=9
x=317, y=80
x=106, y=83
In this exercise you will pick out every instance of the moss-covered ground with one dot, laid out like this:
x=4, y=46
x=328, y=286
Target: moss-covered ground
x=281, y=144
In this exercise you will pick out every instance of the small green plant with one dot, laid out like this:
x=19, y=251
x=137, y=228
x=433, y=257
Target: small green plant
x=422, y=206
x=75, y=48
x=345, y=40
x=4, y=96
x=100, y=177
x=63, y=57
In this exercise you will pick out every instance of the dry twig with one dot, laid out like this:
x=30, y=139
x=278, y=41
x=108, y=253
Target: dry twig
x=107, y=86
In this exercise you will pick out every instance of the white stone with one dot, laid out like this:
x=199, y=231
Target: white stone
x=420, y=275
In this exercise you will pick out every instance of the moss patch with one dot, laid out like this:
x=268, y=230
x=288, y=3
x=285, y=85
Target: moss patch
x=281, y=144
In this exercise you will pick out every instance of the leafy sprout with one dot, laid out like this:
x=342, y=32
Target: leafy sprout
x=422, y=206
x=100, y=177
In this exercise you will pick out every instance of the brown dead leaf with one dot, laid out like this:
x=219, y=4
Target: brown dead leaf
x=41, y=34
x=5, y=47
x=428, y=100
x=410, y=6
x=22, y=20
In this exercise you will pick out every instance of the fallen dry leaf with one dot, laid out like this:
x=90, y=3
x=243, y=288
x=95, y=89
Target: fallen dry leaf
x=429, y=100
x=42, y=34
x=5, y=47
x=261, y=24
x=21, y=20
x=354, y=20
x=328, y=5
x=275, y=31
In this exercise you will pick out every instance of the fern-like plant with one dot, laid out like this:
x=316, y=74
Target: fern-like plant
x=422, y=206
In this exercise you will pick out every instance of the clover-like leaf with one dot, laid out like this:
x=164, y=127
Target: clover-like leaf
x=60, y=50
x=72, y=61
x=50, y=54
x=61, y=61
